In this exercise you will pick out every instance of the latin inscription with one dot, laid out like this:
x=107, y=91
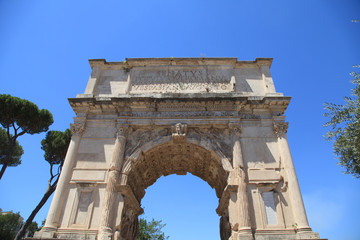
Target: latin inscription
x=181, y=80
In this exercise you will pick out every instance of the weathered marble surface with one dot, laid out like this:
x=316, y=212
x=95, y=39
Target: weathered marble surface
x=217, y=118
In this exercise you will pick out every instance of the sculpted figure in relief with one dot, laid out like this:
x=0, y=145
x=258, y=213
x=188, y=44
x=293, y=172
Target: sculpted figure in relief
x=179, y=129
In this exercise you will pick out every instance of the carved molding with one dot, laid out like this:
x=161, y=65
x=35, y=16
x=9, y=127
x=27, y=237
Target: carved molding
x=173, y=107
x=199, y=113
x=84, y=200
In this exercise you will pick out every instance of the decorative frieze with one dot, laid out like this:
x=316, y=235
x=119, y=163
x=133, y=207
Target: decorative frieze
x=165, y=106
x=178, y=114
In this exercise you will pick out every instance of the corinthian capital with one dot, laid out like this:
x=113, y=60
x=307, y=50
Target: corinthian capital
x=78, y=127
x=280, y=128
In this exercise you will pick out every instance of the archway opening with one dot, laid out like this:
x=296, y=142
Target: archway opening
x=186, y=204
x=180, y=158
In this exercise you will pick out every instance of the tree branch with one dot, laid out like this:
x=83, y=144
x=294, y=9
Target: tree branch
x=23, y=132
x=14, y=127
x=51, y=171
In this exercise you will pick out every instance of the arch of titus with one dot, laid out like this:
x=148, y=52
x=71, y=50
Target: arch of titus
x=217, y=118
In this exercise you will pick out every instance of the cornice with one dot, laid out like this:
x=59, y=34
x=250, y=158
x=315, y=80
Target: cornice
x=179, y=103
x=142, y=62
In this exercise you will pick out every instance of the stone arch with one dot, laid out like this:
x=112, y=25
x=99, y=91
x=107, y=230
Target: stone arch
x=166, y=157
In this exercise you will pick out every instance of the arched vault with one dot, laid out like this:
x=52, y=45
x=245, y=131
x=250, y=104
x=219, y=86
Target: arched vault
x=146, y=165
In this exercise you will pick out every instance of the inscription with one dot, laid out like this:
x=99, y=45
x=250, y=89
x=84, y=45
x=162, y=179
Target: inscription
x=181, y=80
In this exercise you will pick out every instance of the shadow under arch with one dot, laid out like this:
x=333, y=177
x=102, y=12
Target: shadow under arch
x=168, y=156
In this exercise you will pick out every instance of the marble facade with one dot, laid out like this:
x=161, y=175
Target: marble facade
x=218, y=118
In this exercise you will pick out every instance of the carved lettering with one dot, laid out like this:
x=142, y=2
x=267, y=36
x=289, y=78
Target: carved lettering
x=181, y=80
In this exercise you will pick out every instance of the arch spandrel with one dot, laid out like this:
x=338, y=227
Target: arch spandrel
x=215, y=140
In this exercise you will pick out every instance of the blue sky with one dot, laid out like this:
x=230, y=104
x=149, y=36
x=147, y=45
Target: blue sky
x=45, y=45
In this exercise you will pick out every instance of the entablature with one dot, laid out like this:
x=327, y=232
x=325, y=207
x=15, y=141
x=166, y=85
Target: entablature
x=180, y=105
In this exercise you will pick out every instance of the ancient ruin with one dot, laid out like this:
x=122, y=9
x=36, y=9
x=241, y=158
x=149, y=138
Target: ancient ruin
x=217, y=118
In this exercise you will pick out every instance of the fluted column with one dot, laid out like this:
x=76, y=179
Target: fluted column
x=106, y=220
x=298, y=209
x=242, y=217
x=56, y=207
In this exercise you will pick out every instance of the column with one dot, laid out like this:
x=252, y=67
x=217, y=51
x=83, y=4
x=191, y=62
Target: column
x=297, y=204
x=56, y=207
x=242, y=217
x=108, y=206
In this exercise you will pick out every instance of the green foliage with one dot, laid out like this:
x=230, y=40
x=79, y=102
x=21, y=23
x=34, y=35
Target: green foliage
x=24, y=115
x=42, y=224
x=151, y=230
x=9, y=225
x=55, y=146
x=19, y=116
x=4, y=146
x=32, y=228
x=345, y=129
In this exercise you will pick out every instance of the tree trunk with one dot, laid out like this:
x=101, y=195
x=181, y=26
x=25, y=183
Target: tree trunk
x=8, y=156
x=46, y=196
x=3, y=169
